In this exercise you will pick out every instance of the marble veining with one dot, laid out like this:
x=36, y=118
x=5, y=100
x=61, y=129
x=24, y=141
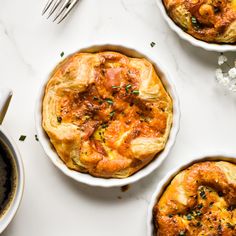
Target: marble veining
x=30, y=46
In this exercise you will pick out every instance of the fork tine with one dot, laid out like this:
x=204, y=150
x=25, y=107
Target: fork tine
x=72, y=4
x=47, y=6
x=63, y=7
x=56, y=4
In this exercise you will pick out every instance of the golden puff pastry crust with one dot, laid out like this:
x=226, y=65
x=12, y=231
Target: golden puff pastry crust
x=208, y=20
x=106, y=114
x=200, y=200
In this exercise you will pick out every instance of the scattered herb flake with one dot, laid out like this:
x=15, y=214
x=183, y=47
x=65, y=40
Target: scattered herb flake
x=170, y=215
x=62, y=54
x=199, y=206
x=112, y=113
x=199, y=224
x=105, y=125
x=36, y=137
x=136, y=92
x=216, y=9
x=59, y=119
x=202, y=193
x=22, y=138
x=181, y=233
x=189, y=217
x=195, y=22
x=152, y=44
x=128, y=87
x=115, y=87
x=109, y=101
x=198, y=213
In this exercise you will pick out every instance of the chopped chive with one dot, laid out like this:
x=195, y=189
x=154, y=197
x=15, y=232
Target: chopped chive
x=199, y=213
x=128, y=87
x=199, y=224
x=109, y=101
x=105, y=125
x=170, y=215
x=202, y=194
x=62, y=54
x=112, y=113
x=216, y=9
x=152, y=44
x=136, y=92
x=195, y=22
x=59, y=119
x=189, y=217
x=22, y=138
x=36, y=137
x=199, y=206
x=115, y=86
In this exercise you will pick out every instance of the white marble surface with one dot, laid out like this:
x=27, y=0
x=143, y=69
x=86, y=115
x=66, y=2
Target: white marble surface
x=30, y=46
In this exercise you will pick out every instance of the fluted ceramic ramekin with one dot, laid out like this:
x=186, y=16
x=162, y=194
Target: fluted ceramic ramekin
x=196, y=42
x=112, y=182
x=171, y=174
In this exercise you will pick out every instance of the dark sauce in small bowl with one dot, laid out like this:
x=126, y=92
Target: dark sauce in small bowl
x=7, y=178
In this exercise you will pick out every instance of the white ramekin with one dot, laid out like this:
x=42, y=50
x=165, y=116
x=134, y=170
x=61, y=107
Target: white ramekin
x=196, y=42
x=171, y=174
x=112, y=182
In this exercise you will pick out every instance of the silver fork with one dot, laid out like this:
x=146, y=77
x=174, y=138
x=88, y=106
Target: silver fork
x=63, y=8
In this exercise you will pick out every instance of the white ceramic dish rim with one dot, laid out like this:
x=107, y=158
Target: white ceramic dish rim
x=191, y=39
x=12, y=209
x=161, y=186
x=112, y=182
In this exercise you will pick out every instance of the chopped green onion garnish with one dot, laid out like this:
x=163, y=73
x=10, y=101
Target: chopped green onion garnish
x=105, y=125
x=22, y=138
x=152, y=44
x=135, y=92
x=36, y=137
x=109, y=101
x=128, y=87
x=62, y=54
x=189, y=217
x=202, y=194
x=59, y=119
x=112, y=113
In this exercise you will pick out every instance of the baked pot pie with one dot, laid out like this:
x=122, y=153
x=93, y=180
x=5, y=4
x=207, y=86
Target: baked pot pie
x=211, y=21
x=200, y=200
x=106, y=114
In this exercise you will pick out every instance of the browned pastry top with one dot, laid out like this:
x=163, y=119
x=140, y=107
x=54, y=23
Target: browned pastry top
x=199, y=201
x=207, y=20
x=106, y=114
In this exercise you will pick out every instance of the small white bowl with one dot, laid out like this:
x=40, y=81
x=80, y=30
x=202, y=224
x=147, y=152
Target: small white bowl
x=196, y=42
x=11, y=208
x=171, y=174
x=112, y=182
